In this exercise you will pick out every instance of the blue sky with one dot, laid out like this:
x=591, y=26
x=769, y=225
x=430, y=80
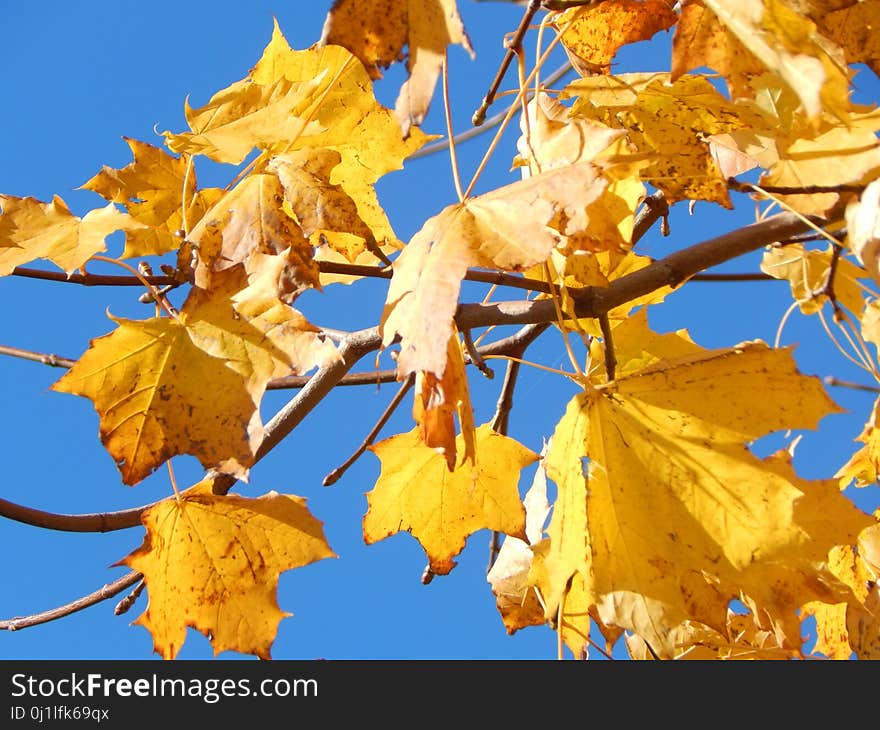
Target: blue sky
x=79, y=78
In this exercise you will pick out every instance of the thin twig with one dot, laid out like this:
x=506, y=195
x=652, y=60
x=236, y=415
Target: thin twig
x=490, y=123
x=515, y=43
x=745, y=187
x=93, y=279
x=334, y=475
x=831, y=380
x=827, y=289
x=610, y=357
x=54, y=361
x=102, y=594
x=284, y=382
x=499, y=425
x=475, y=356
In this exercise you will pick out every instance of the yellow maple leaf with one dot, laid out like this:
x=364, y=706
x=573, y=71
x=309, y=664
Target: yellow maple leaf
x=211, y=562
x=789, y=44
x=552, y=138
x=346, y=216
x=245, y=115
x=841, y=153
x=248, y=224
x=701, y=40
x=438, y=401
x=844, y=628
x=152, y=190
x=376, y=32
x=674, y=516
x=863, y=230
x=417, y=493
x=594, y=34
x=854, y=28
x=807, y=271
x=864, y=465
x=488, y=231
x=671, y=124
x=191, y=385
x=31, y=229
x=346, y=116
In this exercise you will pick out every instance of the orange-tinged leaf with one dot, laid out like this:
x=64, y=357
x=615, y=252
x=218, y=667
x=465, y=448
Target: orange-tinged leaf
x=191, y=385
x=675, y=516
x=346, y=114
x=701, y=40
x=597, y=32
x=854, y=28
x=670, y=124
x=30, y=229
x=152, y=190
x=488, y=231
x=346, y=216
x=788, y=44
x=844, y=628
x=248, y=224
x=807, y=271
x=212, y=562
x=376, y=32
x=438, y=401
x=417, y=493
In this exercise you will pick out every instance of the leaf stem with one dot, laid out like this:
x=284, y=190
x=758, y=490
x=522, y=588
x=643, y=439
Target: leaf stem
x=334, y=475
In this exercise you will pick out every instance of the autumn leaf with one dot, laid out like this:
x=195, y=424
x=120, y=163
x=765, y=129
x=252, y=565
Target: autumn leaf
x=346, y=116
x=191, y=385
x=808, y=270
x=417, y=493
x=376, y=32
x=671, y=123
x=841, y=153
x=439, y=401
x=212, y=562
x=30, y=229
x=487, y=231
x=515, y=597
x=853, y=27
x=592, y=35
x=844, y=628
x=346, y=216
x=246, y=226
x=702, y=40
x=863, y=229
x=674, y=516
x=789, y=45
x=153, y=189
x=246, y=115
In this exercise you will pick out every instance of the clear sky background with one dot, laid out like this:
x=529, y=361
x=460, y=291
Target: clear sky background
x=77, y=77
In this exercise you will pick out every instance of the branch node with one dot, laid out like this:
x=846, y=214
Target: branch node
x=475, y=357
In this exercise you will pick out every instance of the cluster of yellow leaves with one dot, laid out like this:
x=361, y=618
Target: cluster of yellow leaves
x=663, y=515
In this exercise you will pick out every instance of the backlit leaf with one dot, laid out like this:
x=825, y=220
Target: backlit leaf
x=212, y=562
x=418, y=494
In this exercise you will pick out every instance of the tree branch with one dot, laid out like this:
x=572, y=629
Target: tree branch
x=102, y=594
x=669, y=271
